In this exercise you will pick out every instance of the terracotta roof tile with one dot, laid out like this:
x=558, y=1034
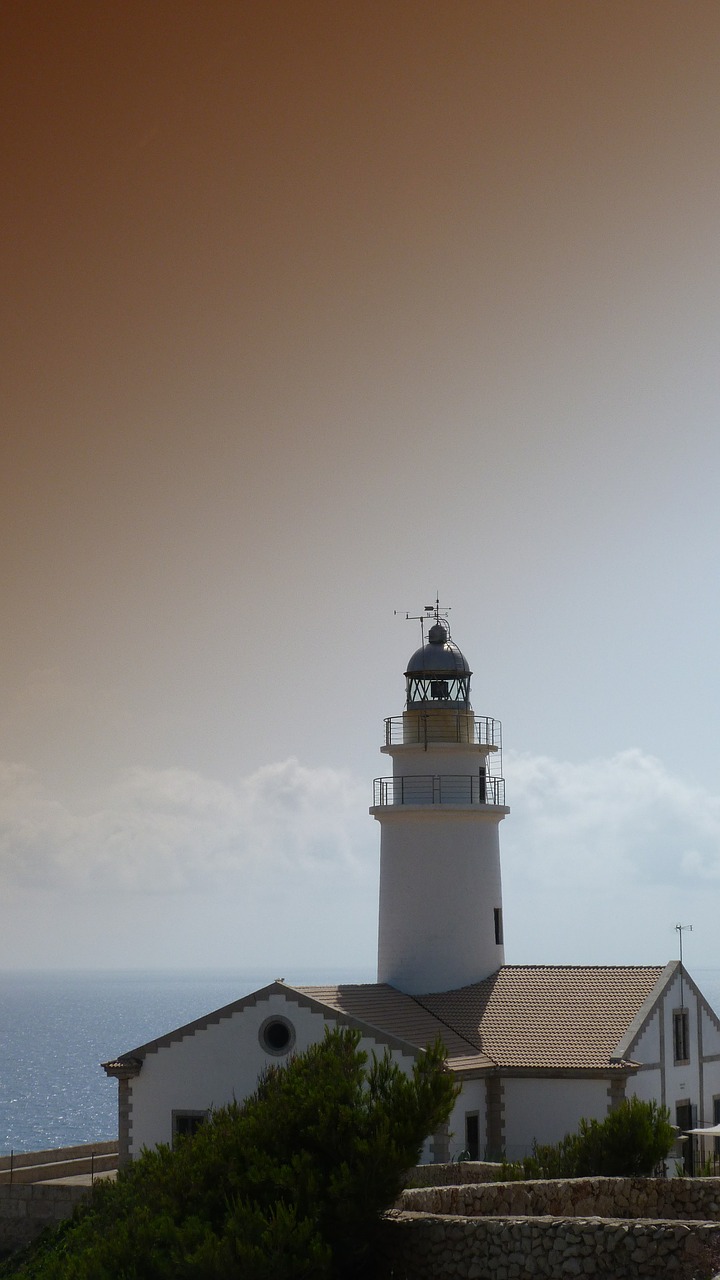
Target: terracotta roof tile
x=548, y=1017
x=400, y=1015
x=524, y=1017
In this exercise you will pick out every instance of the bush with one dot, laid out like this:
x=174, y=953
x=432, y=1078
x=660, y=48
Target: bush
x=632, y=1141
x=289, y=1186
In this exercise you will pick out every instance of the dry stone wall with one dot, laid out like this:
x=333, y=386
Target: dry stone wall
x=624, y=1228
x=689, y=1198
x=450, y=1175
x=422, y=1247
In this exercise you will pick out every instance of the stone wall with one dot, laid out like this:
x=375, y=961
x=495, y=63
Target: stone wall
x=25, y=1210
x=695, y=1199
x=624, y=1228
x=423, y=1247
x=450, y=1175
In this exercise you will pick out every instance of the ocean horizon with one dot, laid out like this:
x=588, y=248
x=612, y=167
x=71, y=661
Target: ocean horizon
x=56, y=1027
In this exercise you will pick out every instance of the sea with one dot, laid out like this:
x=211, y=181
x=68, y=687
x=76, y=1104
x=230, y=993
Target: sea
x=57, y=1027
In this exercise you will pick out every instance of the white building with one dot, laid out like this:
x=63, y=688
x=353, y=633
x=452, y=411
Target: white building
x=535, y=1048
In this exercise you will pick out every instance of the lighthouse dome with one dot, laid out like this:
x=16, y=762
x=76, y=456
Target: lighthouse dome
x=438, y=673
x=439, y=656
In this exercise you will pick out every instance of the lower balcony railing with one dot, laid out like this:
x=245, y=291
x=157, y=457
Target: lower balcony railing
x=439, y=789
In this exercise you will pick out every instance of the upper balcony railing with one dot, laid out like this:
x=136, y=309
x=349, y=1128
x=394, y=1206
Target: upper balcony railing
x=443, y=726
x=440, y=789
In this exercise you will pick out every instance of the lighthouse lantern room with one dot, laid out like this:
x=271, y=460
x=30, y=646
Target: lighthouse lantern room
x=440, y=922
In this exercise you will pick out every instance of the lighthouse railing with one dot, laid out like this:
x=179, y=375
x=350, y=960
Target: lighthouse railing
x=440, y=789
x=442, y=725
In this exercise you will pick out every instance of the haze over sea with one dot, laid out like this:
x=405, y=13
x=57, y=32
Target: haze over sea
x=57, y=1027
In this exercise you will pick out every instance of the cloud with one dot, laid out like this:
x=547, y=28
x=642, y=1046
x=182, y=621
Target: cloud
x=627, y=813
x=601, y=858
x=175, y=831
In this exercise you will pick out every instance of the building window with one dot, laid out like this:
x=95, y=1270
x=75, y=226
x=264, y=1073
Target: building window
x=716, y=1120
x=187, y=1123
x=498, y=926
x=681, y=1035
x=472, y=1135
x=277, y=1035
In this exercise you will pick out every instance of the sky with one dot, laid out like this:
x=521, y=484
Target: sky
x=313, y=311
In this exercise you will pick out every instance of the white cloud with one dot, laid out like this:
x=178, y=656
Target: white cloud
x=172, y=868
x=601, y=859
x=628, y=814
x=171, y=830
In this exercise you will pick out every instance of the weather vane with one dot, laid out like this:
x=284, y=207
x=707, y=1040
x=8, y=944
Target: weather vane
x=436, y=611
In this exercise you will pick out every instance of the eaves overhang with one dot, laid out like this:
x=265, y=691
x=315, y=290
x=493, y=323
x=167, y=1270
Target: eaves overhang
x=568, y=1073
x=122, y=1068
x=129, y=1064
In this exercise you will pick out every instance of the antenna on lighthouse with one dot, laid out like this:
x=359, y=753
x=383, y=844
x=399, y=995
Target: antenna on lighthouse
x=436, y=611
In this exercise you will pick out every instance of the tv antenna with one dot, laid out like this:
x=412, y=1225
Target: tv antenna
x=432, y=612
x=680, y=929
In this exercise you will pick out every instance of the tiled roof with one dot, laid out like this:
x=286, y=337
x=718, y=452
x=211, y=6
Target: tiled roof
x=548, y=1017
x=525, y=1017
x=396, y=1019
x=396, y=1014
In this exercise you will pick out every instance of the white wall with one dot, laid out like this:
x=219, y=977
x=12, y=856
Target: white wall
x=711, y=1070
x=439, y=885
x=682, y=1080
x=545, y=1110
x=645, y=1085
x=698, y=1080
x=472, y=1098
x=710, y=1035
x=212, y=1067
x=647, y=1047
x=439, y=758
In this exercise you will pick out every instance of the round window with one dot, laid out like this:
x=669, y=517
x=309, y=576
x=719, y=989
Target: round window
x=277, y=1035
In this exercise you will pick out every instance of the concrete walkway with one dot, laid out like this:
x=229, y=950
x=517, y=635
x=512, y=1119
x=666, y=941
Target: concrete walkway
x=80, y=1179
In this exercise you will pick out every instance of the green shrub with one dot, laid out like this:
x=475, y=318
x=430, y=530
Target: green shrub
x=630, y=1142
x=289, y=1186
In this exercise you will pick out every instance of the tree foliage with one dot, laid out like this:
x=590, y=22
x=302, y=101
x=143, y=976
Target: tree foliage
x=630, y=1142
x=291, y=1185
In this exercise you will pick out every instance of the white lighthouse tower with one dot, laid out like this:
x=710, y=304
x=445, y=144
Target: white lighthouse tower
x=440, y=923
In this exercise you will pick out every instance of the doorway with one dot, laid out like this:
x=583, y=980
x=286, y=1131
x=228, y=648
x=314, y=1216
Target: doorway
x=684, y=1121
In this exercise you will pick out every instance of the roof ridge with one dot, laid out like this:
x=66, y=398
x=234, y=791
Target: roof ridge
x=472, y=1048
x=644, y=968
x=337, y=986
x=476, y=1048
x=544, y=968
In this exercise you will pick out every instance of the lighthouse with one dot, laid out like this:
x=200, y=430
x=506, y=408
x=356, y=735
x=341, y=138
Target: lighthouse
x=534, y=1047
x=440, y=920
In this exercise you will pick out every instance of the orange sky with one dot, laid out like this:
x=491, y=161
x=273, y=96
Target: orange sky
x=313, y=309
